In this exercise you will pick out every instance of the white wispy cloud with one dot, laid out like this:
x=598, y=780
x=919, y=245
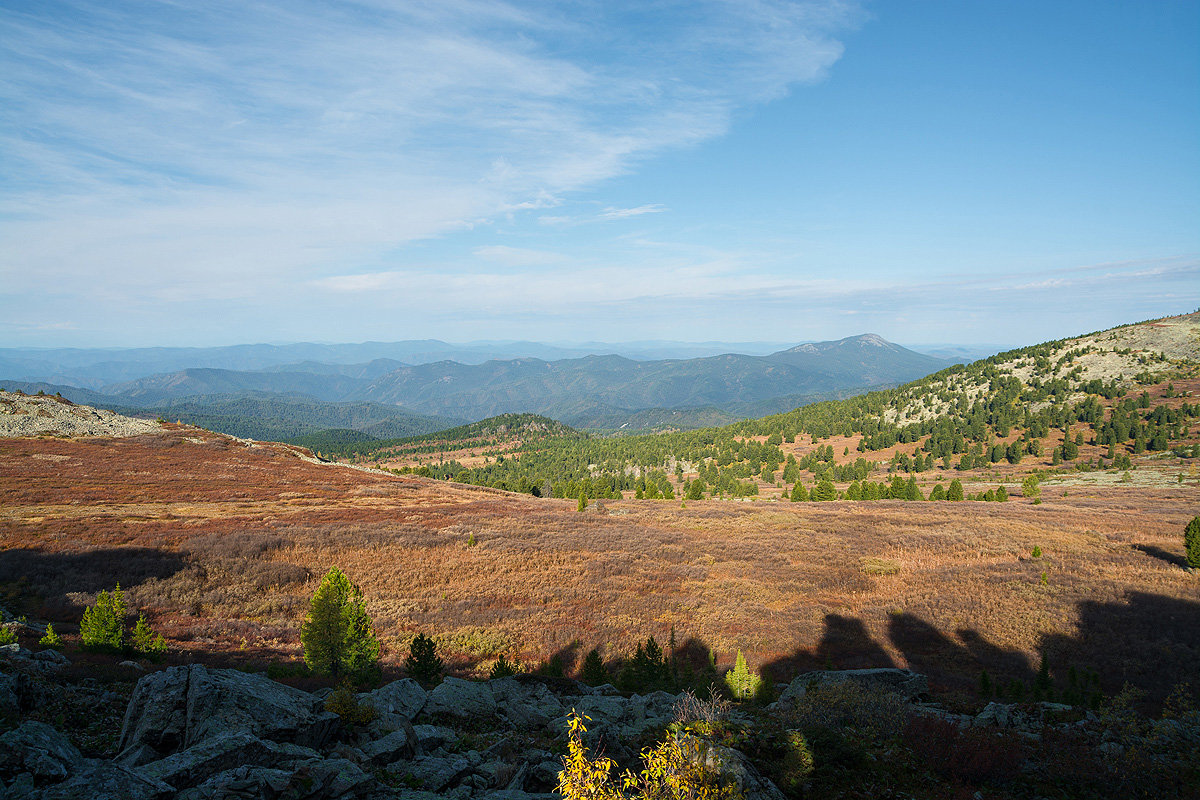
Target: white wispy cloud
x=168, y=146
x=622, y=213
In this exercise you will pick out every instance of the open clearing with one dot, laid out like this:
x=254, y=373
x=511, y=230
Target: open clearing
x=222, y=543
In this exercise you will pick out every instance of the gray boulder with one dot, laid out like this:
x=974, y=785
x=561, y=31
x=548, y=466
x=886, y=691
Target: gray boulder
x=330, y=778
x=179, y=707
x=50, y=658
x=10, y=698
x=545, y=774
x=396, y=705
x=245, y=781
x=40, y=750
x=104, y=780
x=736, y=770
x=459, y=698
x=601, y=708
x=993, y=715
x=527, y=706
x=906, y=683
x=391, y=748
x=198, y=763
x=434, y=774
x=433, y=737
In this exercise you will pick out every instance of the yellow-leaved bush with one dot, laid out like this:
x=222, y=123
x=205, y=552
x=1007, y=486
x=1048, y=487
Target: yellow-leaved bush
x=676, y=769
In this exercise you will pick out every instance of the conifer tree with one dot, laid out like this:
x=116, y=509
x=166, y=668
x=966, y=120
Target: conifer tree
x=103, y=625
x=51, y=639
x=955, y=492
x=742, y=683
x=337, y=634
x=145, y=641
x=912, y=491
x=1191, y=541
x=824, y=491
x=593, y=672
x=423, y=662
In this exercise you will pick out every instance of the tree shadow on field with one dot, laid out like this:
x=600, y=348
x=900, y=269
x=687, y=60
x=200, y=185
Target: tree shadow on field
x=37, y=576
x=1147, y=641
x=955, y=664
x=846, y=644
x=1162, y=555
x=566, y=657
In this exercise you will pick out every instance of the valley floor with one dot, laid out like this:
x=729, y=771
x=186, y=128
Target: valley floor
x=221, y=543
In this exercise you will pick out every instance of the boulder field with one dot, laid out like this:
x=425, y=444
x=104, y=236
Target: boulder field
x=198, y=734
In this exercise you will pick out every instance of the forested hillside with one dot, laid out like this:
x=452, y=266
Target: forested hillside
x=1085, y=403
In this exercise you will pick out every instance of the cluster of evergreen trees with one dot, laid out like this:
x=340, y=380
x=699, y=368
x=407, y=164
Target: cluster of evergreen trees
x=963, y=417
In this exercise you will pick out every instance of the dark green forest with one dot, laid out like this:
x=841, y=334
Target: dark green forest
x=964, y=417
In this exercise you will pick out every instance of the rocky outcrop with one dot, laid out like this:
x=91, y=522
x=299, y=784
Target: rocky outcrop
x=36, y=415
x=43, y=764
x=201, y=734
x=396, y=705
x=908, y=684
x=458, y=698
x=182, y=706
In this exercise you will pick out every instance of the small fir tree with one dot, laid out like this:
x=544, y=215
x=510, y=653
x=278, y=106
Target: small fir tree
x=1191, y=542
x=337, y=635
x=146, y=641
x=593, y=672
x=1031, y=487
x=955, y=492
x=799, y=493
x=912, y=491
x=103, y=625
x=742, y=683
x=503, y=669
x=423, y=663
x=51, y=639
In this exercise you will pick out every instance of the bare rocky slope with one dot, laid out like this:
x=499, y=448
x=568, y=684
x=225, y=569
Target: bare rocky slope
x=41, y=415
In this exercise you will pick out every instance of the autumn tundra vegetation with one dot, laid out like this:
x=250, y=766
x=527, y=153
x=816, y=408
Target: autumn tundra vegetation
x=1050, y=583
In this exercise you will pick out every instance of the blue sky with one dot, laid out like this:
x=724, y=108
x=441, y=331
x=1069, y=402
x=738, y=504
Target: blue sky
x=964, y=172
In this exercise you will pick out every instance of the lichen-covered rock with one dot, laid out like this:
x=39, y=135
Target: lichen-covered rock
x=244, y=781
x=331, y=778
x=395, y=704
x=735, y=770
x=527, y=706
x=198, y=763
x=40, y=750
x=395, y=746
x=434, y=773
x=601, y=708
x=50, y=656
x=459, y=698
x=433, y=737
x=104, y=780
x=10, y=698
x=182, y=706
x=910, y=685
